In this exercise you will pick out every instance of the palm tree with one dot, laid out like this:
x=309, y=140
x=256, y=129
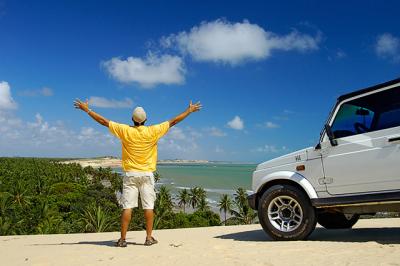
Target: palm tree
x=96, y=219
x=5, y=203
x=196, y=195
x=89, y=170
x=225, y=205
x=164, y=198
x=38, y=175
x=163, y=205
x=241, y=196
x=6, y=226
x=50, y=225
x=203, y=205
x=201, y=193
x=243, y=212
x=193, y=197
x=183, y=199
x=157, y=177
x=19, y=192
x=50, y=222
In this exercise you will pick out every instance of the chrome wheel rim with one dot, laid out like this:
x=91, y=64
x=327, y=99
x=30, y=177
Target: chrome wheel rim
x=285, y=213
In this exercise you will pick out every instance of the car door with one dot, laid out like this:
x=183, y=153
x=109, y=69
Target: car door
x=367, y=155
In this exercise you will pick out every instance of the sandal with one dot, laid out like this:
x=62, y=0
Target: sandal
x=121, y=243
x=150, y=241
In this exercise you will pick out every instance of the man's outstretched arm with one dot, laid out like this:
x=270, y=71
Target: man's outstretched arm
x=191, y=109
x=84, y=106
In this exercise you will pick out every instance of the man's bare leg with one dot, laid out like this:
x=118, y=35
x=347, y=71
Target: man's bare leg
x=125, y=219
x=149, y=215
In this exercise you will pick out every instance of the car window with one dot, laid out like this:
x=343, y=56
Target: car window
x=373, y=112
x=389, y=119
x=352, y=119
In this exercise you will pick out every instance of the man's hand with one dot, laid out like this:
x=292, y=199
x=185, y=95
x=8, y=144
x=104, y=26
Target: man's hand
x=194, y=107
x=84, y=106
x=191, y=109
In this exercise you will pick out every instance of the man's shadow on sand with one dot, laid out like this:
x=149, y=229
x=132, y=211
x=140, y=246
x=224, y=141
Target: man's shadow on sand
x=108, y=243
x=379, y=235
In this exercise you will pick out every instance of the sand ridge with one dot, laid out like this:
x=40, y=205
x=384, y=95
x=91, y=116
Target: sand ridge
x=371, y=242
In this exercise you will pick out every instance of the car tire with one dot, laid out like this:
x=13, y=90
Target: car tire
x=285, y=213
x=336, y=220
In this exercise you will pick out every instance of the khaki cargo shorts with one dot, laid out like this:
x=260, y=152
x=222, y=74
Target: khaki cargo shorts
x=135, y=183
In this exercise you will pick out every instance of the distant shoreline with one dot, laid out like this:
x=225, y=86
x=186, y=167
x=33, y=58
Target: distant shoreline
x=113, y=162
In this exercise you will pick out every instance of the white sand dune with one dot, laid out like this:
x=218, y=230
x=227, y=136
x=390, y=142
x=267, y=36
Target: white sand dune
x=371, y=242
x=97, y=162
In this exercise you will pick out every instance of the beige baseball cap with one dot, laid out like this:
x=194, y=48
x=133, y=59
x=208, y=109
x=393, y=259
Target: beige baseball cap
x=139, y=115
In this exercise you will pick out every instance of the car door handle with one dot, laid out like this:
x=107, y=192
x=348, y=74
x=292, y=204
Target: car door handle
x=394, y=139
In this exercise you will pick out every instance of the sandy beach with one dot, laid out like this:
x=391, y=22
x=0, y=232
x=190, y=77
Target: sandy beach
x=97, y=162
x=371, y=242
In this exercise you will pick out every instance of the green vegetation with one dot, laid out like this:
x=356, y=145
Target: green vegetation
x=243, y=214
x=183, y=199
x=45, y=196
x=225, y=205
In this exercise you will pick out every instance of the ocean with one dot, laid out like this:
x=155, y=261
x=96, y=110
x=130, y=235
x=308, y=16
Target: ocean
x=215, y=178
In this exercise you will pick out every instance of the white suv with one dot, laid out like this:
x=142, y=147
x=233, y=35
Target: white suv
x=353, y=170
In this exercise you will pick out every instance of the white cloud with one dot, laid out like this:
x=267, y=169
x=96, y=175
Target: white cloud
x=195, y=134
x=176, y=133
x=340, y=54
x=45, y=91
x=337, y=55
x=281, y=117
x=177, y=148
x=42, y=138
x=149, y=71
x=215, y=132
x=284, y=116
x=270, y=149
x=6, y=100
x=180, y=143
x=288, y=112
x=110, y=103
x=234, y=43
x=295, y=41
x=236, y=123
x=388, y=46
x=218, y=149
x=38, y=137
x=270, y=124
x=42, y=132
x=8, y=125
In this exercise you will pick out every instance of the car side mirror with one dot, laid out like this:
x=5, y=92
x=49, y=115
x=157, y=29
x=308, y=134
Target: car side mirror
x=329, y=133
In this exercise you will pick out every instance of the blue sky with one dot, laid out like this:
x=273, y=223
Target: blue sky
x=266, y=72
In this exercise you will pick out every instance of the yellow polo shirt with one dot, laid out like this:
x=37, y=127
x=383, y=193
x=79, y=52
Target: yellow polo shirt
x=139, y=145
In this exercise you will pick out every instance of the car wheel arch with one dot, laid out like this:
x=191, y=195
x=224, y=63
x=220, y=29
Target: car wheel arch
x=295, y=180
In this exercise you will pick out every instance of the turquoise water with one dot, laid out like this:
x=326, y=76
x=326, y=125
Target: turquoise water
x=216, y=179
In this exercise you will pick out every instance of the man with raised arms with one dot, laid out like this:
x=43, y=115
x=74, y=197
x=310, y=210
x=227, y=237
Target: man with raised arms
x=139, y=160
